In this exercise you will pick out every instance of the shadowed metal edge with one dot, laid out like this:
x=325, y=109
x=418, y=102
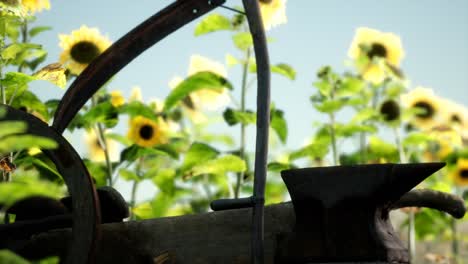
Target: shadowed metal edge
x=257, y=31
x=86, y=212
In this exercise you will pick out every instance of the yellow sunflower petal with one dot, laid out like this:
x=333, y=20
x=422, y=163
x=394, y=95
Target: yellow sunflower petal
x=94, y=149
x=81, y=47
x=117, y=98
x=273, y=13
x=33, y=6
x=460, y=174
x=146, y=132
x=424, y=99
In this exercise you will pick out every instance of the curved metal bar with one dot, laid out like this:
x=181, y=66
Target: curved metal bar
x=124, y=51
x=86, y=212
x=254, y=19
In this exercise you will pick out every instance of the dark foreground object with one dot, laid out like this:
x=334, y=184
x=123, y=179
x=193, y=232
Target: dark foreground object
x=342, y=212
x=340, y=215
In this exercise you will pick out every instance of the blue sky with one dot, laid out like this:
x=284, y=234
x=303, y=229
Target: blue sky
x=434, y=34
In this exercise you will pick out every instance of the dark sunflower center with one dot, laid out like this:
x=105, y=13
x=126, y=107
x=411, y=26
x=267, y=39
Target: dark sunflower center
x=428, y=109
x=265, y=1
x=84, y=52
x=464, y=174
x=377, y=50
x=455, y=118
x=146, y=132
x=390, y=110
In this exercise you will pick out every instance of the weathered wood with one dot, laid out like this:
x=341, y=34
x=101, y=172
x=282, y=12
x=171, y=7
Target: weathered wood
x=215, y=237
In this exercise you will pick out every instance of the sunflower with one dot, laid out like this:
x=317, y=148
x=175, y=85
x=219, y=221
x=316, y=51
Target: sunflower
x=460, y=174
x=95, y=149
x=117, y=98
x=146, y=132
x=208, y=99
x=455, y=115
x=373, y=51
x=390, y=110
x=33, y=6
x=445, y=141
x=273, y=13
x=429, y=105
x=81, y=47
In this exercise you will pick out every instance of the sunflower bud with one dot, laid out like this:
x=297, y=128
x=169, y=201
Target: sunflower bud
x=390, y=110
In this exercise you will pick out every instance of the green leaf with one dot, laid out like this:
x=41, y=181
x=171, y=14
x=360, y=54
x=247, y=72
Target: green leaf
x=165, y=181
x=365, y=115
x=15, y=79
x=198, y=81
x=219, y=166
x=129, y=175
x=12, y=127
x=278, y=166
x=233, y=117
x=279, y=125
x=10, y=52
x=143, y=211
x=136, y=108
x=349, y=130
x=394, y=89
x=119, y=138
x=324, y=87
x=284, y=69
x=131, y=153
x=197, y=154
x=8, y=257
x=329, y=106
x=242, y=40
x=161, y=204
x=104, y=113
x=20, y=142
x=212, y=23
x=36, y=30
x=417, y=139
x=381, y=148
x=350, y=86
x=231, y=60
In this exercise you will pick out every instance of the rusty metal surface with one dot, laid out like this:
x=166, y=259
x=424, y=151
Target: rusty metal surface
x=342, y=212
x=254, y=19
x=124, y=51
x=70, y=166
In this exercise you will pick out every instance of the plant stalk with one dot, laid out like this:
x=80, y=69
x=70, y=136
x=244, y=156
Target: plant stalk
x=245, y=69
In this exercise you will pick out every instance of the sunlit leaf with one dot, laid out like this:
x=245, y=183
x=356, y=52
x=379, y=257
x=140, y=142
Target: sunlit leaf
x=53, y=73
x=201, y=80
x=16, y=79
x=221, y=165
x=165, y=180
x=37, y=30
x=278, y=166
x=129, y=175
x=211, y=23
x=134, y=151
x=12, y=50
x=285, y=70
x=27, y=185
x=233, y=117
x=329, y=106
x=8, y=257
x=279, y=125
x=20, y=142
x=381, y=148
x=243, y=40
x=12, y=127
x=136, y=108
x=197, y=154
x=231, y=60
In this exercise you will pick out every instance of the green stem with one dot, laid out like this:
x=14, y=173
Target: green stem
x=135, y=188
x=245, y=69
x=24, y=39
x=455, y=251
x=102, y=141
x=333, y=140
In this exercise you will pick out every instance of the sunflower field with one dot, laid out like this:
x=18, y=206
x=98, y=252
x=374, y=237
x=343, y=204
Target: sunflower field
x=196, y=145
